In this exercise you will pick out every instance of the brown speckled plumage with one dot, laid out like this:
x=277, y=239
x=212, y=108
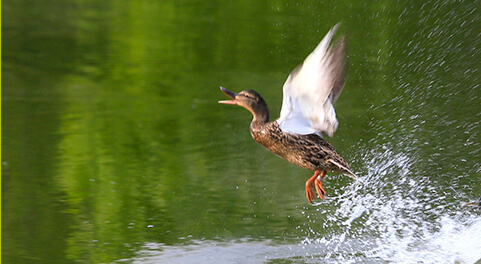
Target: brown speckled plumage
x=311, y=152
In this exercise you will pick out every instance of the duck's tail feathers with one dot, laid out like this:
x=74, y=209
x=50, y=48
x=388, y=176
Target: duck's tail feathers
x=344, y=170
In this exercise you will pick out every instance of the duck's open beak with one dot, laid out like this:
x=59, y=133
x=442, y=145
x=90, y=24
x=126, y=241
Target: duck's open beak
x=231, y=95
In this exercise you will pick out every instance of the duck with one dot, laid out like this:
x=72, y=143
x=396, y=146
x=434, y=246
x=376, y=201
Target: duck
x=307, y=114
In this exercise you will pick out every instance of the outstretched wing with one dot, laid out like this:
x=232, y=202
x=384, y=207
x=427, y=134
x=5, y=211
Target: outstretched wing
x=312, y=88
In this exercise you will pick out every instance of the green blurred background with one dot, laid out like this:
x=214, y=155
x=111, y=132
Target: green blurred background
x=112, y=137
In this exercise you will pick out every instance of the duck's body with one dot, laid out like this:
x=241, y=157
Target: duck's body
x=306, y=113
x=310, y=151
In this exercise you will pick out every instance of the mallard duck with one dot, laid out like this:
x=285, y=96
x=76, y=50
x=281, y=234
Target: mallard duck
x=306, y=114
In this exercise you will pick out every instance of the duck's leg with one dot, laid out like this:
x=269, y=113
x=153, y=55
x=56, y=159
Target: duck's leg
x=309, y=193
x=320, y=191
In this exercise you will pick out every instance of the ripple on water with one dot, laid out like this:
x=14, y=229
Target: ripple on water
x=389, y=216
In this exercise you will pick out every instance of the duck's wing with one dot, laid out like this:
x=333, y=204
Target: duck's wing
x=312, y=88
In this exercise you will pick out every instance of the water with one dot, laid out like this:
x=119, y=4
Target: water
x=115, y=149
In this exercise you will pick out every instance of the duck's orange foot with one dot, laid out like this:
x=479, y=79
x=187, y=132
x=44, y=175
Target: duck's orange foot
x=309, y=193
x=319, y=189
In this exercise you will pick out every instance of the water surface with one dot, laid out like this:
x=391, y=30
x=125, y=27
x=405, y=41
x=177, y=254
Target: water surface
x=115, y=149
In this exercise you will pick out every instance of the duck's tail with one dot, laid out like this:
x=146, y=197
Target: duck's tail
x=344, y=169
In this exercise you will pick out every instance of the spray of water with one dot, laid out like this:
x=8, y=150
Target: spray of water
x=393, y=214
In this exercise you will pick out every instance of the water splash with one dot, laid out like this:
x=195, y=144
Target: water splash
x=394, y=215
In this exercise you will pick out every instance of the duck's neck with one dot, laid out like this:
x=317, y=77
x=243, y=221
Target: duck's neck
x=261, y=117
x=259, y=121
x=261, y=130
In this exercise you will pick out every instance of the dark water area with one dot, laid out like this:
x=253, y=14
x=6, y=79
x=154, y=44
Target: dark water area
x=114, y=148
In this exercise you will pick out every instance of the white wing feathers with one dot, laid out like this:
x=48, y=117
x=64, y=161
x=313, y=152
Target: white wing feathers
x=312, y=88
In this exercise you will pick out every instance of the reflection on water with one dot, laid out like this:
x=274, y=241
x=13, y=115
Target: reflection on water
x=115, y=149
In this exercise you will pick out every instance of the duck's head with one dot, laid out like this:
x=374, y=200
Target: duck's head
x=250, y=100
